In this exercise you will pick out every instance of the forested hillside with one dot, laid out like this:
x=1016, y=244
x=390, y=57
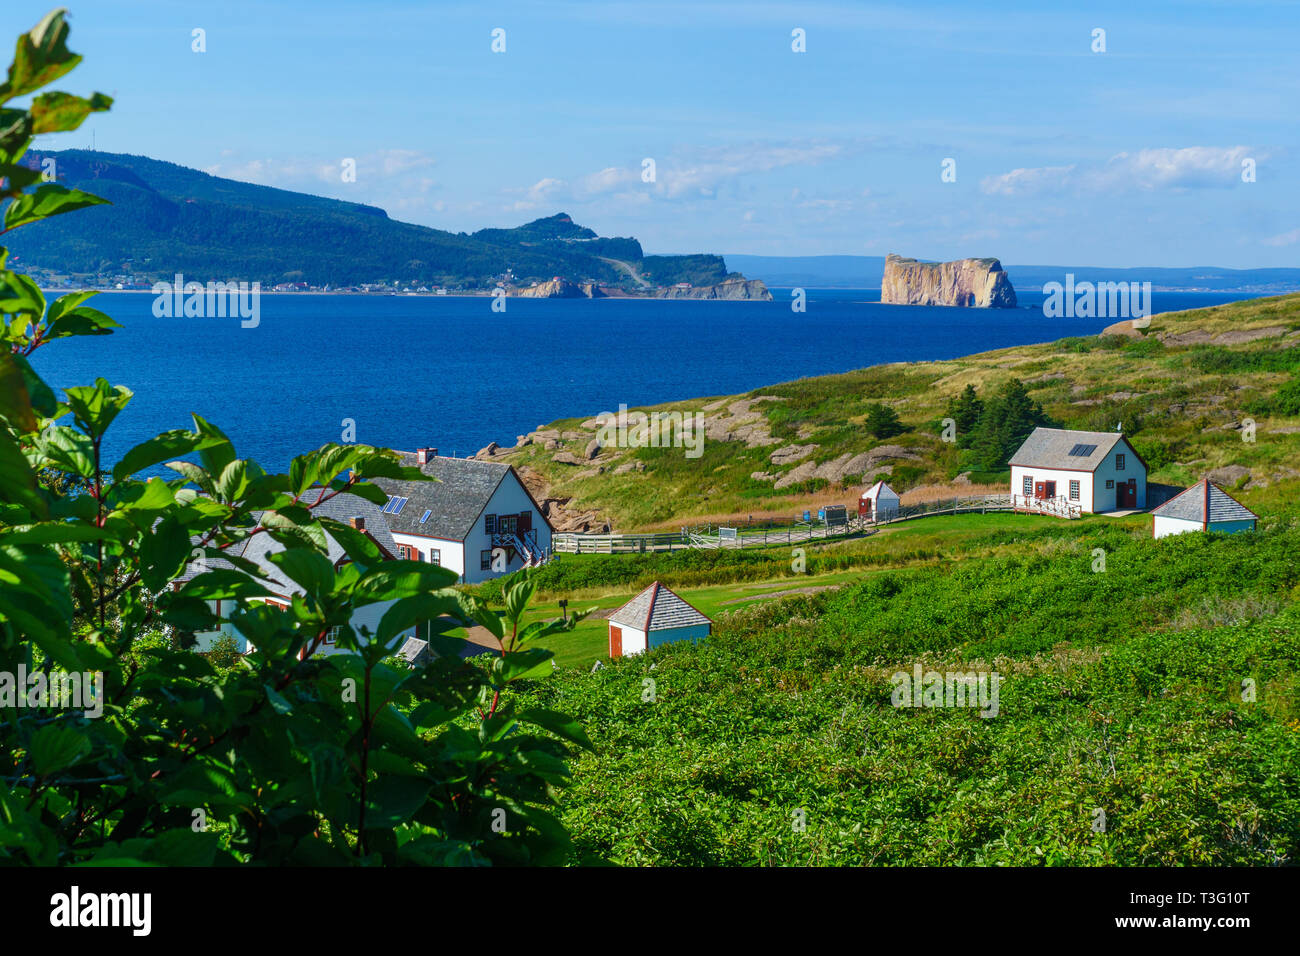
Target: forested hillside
x=166, y=218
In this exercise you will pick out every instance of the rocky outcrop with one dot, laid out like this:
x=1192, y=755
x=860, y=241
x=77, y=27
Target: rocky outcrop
x=978, y=283
x=558, y=288
x=737, y=288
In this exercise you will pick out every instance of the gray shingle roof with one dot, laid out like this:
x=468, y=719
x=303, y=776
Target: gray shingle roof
x=454, y=501
x=415, y=652
x=660, y=607
x=1051, y=447
x=1191, y=505
x=340, y=507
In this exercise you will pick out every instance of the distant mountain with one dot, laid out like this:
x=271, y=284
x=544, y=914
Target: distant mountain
x=864, y=272
x=166, y=218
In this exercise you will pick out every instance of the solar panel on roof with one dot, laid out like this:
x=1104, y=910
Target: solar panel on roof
x=1082, y=451
x=388, y=505
x=426, y=516
x=401, y=503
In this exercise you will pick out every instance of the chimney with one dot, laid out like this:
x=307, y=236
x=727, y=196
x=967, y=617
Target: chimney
x=357, y=522
x=424, y=455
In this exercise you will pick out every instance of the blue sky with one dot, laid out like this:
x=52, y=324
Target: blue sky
x=1062, y=155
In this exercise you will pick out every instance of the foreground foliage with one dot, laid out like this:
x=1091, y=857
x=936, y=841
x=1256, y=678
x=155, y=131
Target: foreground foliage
x=277, y=757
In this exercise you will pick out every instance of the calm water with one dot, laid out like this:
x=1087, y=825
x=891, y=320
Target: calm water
x=449, y=373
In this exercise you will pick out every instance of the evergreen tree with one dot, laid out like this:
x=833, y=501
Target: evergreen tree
x=883, y=422
x=965, y=410
x=1007, y=420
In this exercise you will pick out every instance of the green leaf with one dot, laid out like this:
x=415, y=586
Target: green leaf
x=95, y=406
x=80, y=321
x=15, y=402
x=223, y=584
x=409, y=611
x=392, y=800
x=41, y=58
x=60, y=112
x=42, y=396
x=157, y=450
x=57, y=746
x=559, y=724
x=48, y=200
x=532, y=663
x=310, y=570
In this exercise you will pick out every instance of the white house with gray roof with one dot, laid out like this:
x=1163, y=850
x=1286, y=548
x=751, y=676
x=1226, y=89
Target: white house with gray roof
x=476, y=518
x=653, y=618
x=365, y=516
x=1203, y=507
x=1062, y=471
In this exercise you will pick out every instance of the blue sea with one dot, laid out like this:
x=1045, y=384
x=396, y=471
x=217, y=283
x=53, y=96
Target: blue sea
x=450, y=373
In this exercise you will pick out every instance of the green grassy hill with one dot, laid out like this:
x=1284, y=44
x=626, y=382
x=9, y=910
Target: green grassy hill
x=1159, y=690
x=1149, y=706
x=1181, y=388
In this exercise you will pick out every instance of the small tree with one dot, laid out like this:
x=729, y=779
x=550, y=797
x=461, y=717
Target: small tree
x=883, y=422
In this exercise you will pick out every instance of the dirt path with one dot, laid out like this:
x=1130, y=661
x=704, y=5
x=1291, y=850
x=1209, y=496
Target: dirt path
x=785, y=593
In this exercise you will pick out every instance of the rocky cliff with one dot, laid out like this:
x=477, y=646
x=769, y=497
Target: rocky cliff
x=561, y=289
x=737, y=288
x=980, y=283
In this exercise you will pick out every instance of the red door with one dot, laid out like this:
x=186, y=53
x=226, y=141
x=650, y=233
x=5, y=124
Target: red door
x=615, y=641
x=1051, y=489
x=1126, y=494
x=1040, y=489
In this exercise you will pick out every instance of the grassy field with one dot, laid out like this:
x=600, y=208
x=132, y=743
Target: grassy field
x=1178, y=388
x=930, y=541
x=1150, y=684
x=1122, y=690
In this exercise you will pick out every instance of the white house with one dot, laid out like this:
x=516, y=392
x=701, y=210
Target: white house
x=653, y=618
x=1203, y=507
x=878, y=503
x=476, y=518
x=361, y=514
x=1059, y=471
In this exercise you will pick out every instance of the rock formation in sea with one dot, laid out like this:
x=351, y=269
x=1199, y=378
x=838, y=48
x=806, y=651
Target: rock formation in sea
x=736, y=288
x=979, y=283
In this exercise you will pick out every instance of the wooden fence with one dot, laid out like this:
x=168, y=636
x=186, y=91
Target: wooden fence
x=711, y=537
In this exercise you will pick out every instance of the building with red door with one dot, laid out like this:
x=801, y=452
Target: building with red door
x=475, y=518
x=655, y=617
x=1060, y=471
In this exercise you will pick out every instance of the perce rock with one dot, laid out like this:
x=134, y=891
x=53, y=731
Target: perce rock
x=980, y=283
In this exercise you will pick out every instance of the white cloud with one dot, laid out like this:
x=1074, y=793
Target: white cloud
x=1284, y=239
x=307, y=173
x=1191, y=167
x=1021, y=181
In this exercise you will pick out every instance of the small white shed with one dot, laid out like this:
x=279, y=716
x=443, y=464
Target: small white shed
x=654, y=617
x=1203, y=507
x=878, y=503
